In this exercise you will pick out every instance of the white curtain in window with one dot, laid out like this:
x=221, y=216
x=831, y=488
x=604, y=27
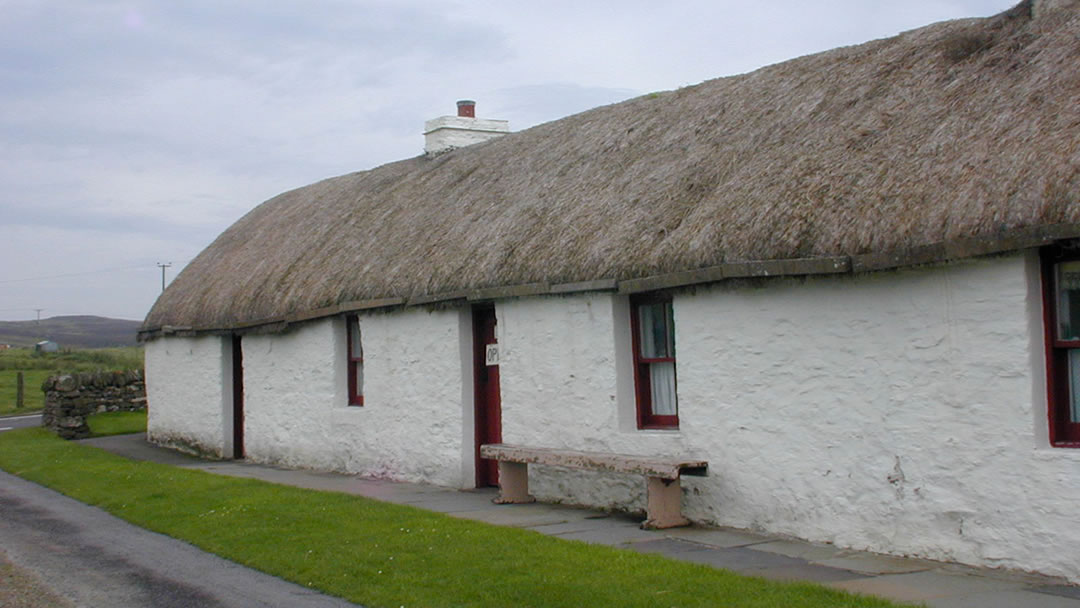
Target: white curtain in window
x=648, y=322
x=662, y=379
x=1069, y=278
x=357, y=345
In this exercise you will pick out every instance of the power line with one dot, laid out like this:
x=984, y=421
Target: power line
x=77, y=274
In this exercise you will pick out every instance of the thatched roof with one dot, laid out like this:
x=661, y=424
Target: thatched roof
x=957, y=139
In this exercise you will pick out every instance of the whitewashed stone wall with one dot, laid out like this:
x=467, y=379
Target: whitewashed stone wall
x=188, y=390
x=896, y=412
x=449, y=132
x=411, y=424
x=900, y=412
x=561, y=387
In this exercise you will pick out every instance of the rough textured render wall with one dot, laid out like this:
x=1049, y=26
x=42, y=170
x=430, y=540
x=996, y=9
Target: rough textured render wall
x=290, y=388
x=892, y=412
x=409, y=427
x=448, y=132
x=899, y=412
x=188, y=393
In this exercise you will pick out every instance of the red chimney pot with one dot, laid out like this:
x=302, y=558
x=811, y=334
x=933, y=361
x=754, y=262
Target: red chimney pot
x=466, y=108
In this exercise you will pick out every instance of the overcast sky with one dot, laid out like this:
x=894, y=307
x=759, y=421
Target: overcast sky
x=134, y=132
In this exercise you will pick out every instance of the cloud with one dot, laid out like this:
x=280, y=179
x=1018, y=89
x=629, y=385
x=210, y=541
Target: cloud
x=135, y=131
x=100, y=272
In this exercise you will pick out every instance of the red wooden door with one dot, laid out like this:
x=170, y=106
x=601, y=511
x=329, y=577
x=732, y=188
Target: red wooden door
x=486, y=390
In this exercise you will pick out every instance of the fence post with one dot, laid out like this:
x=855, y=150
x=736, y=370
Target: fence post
x=18, y=390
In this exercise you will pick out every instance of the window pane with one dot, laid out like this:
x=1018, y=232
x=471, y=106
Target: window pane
x=656, y=339
x=1068, y=313
x=354, y=335
x=669, y=328
x=662, y=382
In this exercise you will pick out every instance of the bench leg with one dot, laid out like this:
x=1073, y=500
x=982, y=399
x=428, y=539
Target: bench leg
x=513, y=483
x=664, y=504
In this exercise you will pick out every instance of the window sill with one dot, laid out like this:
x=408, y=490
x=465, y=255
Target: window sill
x=1059, y=453
x=658, y=426
x=657, y=430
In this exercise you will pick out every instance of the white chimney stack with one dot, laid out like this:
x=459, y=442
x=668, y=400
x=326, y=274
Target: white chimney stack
x=449, y=132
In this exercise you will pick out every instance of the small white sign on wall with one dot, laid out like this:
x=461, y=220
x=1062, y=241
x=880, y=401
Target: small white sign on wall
x=491, y=356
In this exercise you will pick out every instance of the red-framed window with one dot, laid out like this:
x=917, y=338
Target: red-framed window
x=1061, y=311
x=356, y=361
x=652, y=324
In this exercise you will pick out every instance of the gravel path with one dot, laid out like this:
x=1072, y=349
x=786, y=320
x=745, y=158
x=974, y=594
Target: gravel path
x=20, y=588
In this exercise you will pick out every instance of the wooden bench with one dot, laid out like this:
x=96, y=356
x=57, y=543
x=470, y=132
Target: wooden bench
x=664, y=508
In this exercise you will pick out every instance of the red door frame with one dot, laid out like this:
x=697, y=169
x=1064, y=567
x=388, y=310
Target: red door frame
x=488, y=407
x=238, y=398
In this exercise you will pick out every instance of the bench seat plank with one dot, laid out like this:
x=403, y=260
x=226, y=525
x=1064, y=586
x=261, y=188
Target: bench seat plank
x=659, y=467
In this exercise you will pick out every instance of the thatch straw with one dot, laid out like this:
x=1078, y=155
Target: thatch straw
x=958, y=130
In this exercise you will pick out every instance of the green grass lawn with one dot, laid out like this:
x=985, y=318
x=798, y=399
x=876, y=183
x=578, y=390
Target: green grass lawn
x=33, y=398
x=116, y=423
x=381, y=554
x=73, y=360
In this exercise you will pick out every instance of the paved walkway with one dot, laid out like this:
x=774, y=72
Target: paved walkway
x=939, y=585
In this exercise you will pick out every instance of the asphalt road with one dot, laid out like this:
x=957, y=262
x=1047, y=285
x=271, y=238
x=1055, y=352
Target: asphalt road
x=97, y=560
x=8, y=423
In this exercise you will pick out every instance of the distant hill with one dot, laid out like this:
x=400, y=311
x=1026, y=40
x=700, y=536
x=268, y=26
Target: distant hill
x=81, y=331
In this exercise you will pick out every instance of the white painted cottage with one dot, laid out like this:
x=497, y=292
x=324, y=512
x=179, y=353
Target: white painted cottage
x=850, y=282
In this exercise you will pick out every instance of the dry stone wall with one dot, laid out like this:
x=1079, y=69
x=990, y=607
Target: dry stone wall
x=70, y=398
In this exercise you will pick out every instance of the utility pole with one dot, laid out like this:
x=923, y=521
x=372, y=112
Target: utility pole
x=163, y=267
x=38, y=311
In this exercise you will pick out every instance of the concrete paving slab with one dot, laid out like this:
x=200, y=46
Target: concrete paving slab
x=380, y=490
x=741, y=559
x=137, y=447
x=1058, y=590
x=812, y=552
x=717, y=537
x=666, y=546
x=286, y=477
x=1030, y=579
x=451, y=504
x=872, y=563
x=808, y=572
x=772, y=565
x=398, y=493
x=924, y=586
x=1004, y=599
x=577, y=525
x=516, y=518
x=611, y=535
